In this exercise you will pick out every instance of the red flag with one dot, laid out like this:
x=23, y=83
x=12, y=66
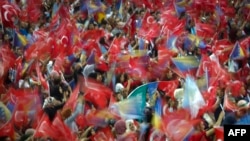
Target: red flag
x=27, y=106
x=45, y=128
x=34, y=10
x=64, y=12
x=59, y=62
x=92, y=45
x=63, y=131
x=204, y=30
x=178, y=129
x=104, y=134
x=210, y=98
x=118, y=45
x=219, y=133
x=130, y=25
x=9, y=11
x=149, y=28
x=137, y=68
x=168, y=87
x=7, y=130
x=41, y=78
x=235, y=87
x=71, y=102
x=222, y=49
x=7, y=60
x=229, y=105
x=94, y=34
x=207, y=66
x=97, y=93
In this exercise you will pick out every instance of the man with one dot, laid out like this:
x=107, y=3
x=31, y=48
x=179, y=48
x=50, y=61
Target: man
x=59, y=92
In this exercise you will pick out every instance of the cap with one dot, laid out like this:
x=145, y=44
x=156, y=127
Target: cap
x=242, y=104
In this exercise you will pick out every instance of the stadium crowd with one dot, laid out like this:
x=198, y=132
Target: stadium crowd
x=125, y=70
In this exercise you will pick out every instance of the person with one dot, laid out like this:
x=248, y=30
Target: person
x=202, y=133
x=238, y=116
x=120, y=89
x=59, y=92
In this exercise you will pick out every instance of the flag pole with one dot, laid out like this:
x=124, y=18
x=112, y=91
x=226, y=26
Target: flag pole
x=206, y=75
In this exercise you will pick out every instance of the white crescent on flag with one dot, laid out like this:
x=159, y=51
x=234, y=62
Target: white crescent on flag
x=64, y=39
x=150, y=20
x=8, y=9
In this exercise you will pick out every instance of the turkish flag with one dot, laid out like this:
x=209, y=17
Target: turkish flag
x=9, y=12
x=150, y=27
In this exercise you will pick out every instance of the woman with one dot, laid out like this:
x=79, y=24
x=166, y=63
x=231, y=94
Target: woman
x=121, y=88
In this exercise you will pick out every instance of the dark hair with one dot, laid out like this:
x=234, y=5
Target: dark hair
x=148, y=114
x=118, y=77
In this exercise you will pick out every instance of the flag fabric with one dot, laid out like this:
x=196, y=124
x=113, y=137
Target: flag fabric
x=186, y=63
x=120, y=8
x=5, y=113
x=229, y=104
x=150, y=27
x=130, y=25
x=96, y=93
x=237, y=52
x=192, y=100
x=178, y=129
x=41, y=79
x=20, y=40
x=7, y=130
x=92, y=59
x=152, y=88
x=34, y=10
x=168, y=87
x=179, y=9
x=204, y=30
x=9, y=11
x=92, y=7
x=134, y=105
x=94, y=34
x=219, y=133
x=171, y=43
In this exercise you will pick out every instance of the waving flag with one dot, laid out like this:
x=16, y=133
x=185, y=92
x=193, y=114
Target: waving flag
x=5, y=113
x=130, y=25
x=9, y=11
x=7, y=130
x=229, y=104
x=192, y=100
x=152, y=87
x=171, y=43
x=186, y=63
x=34, y=10
x=179, y=129
x=92, y=7
x=134, y=105
x=150, y=28
x=92, y=59
x=205, y=30
x=120, y=8
x=20, y=40
x=168, y=87
x=179, y=9
x=237, y=52
x=97, y=93
x=219, y=133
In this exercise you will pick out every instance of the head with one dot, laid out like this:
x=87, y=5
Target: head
x=243, y=106
x=130, y=125
x=120, y=127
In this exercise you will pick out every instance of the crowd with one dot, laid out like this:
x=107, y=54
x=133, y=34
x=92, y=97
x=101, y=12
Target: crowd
x=94, y=70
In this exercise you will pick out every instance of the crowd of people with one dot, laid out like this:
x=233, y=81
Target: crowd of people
x=73, y=69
